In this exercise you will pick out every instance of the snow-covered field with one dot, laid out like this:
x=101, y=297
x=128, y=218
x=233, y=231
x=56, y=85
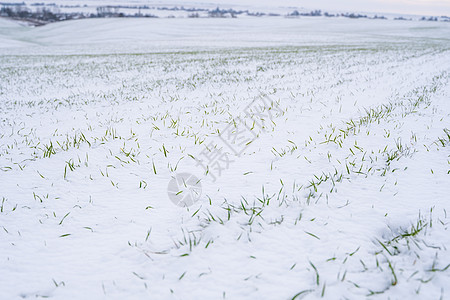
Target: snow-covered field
x=336, y=184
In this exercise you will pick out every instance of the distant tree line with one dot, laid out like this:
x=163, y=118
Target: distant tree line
x=40, y=16
x=44, y=15
x=318, y=13
x=47, y=13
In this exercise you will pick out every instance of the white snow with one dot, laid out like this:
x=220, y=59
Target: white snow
x=344, y=194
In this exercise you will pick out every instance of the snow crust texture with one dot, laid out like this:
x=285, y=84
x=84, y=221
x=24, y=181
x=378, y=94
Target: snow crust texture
x=341, y=192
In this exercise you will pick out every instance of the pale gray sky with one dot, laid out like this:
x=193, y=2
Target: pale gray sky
x=419, y=7
x=416, y=7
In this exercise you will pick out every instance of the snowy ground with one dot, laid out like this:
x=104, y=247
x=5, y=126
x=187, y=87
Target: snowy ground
x=344, y=193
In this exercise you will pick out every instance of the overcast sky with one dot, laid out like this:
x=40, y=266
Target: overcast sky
x=416, y=7
x=419, y=7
